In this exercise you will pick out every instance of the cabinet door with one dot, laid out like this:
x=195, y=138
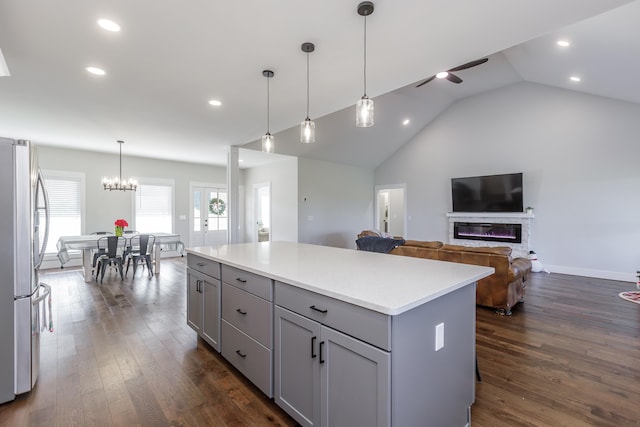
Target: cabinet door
x=194, y=300
x=211, y=312
x=297, y=371
x=355, y=382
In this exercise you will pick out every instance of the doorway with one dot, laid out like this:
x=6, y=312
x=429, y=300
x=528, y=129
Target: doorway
x=262, y=212
x=209, y=216
x=391, y=208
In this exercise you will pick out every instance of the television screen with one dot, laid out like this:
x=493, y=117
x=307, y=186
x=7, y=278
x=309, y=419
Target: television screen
x=492, y=193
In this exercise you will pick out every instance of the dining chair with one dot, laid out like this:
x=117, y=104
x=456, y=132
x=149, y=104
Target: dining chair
x=141, y=250
x=111, y=249
x=96, y=253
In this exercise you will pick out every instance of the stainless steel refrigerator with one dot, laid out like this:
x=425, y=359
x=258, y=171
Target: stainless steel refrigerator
x=24, y=219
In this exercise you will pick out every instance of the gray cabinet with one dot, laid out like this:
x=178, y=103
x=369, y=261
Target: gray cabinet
x=203, y=299
x=324, y=377
x=247, y=326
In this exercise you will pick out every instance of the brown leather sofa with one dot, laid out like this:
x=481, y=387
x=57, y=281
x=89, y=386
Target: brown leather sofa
x=502, y=290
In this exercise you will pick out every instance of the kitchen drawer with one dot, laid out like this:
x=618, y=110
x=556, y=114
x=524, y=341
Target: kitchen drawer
x=247, y=312
x=248, y=356
x=204, y=265
x=361, y=323
x=250, y=282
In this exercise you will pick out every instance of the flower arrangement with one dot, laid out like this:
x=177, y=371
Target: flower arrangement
x=120, y=225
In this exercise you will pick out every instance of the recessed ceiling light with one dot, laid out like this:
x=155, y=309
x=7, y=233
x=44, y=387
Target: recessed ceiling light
x=575, y=78
x=442, y=74
x=406, y=122
x=563, y=43
x=215, y=103
x=97, y=71
x=109, y=25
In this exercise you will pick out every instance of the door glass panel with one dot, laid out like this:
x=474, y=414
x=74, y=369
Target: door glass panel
x=196, y=211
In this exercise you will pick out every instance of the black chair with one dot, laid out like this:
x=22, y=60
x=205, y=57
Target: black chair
x=141, y=250
x=111, y=249
x=96, y=253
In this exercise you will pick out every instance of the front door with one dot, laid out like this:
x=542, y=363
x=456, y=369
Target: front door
x=209, y=216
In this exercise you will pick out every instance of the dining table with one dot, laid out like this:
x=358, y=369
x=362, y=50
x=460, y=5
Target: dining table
x=89, y=242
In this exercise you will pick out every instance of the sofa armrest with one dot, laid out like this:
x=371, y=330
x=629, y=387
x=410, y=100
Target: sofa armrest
x=520, y=267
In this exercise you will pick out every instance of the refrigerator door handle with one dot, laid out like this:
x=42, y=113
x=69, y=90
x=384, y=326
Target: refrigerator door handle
x=40, y=187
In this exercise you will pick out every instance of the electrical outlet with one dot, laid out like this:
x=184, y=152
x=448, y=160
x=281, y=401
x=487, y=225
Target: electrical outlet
x=439, y=336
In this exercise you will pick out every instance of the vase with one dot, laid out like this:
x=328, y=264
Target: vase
x=118, y=231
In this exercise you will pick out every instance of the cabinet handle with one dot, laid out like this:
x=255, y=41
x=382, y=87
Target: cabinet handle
x=313, y=346
x=198, y=286
x=200, y=264
x=244, y=313
x=239, y=353
x=321, y=347
x=319, y=310
x=241, y=280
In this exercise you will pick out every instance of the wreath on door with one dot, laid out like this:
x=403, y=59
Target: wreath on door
x=217, y=206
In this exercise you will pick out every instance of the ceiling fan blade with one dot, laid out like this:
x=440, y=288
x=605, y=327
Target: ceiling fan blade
x=453, y=78
x=470, y=64
x=426, y=81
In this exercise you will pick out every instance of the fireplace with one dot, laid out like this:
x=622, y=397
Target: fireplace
x=490, y=232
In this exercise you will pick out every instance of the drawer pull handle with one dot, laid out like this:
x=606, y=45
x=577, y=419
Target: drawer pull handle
x=244, y=313
x=313, y=347
x=321, y=347
x=239, y=353
x=319, y=310
x=241, y=280
x=201, y=264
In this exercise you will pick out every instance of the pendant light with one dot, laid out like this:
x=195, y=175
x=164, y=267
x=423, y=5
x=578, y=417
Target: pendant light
x=117, y=183
x=364, y=107
x=268, y=143
x=308, y=127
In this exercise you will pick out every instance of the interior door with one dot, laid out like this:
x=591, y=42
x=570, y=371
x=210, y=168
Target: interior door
x=391, y=208
x=262, y=212
x=209, y=217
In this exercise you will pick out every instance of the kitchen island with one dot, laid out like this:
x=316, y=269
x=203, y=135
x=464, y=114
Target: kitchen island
x=341, y=337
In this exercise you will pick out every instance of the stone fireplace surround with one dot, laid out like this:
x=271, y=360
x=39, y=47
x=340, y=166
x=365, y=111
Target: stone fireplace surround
x=518, y=249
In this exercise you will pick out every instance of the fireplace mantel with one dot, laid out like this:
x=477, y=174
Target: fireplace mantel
x=518, y=249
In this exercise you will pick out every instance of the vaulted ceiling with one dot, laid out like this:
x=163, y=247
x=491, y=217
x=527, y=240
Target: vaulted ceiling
x=171, y=58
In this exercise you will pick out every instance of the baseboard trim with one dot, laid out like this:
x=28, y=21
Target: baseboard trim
x=598, y=274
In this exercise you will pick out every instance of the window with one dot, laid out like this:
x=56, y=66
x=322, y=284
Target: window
x=154, y=207
x=66, y=205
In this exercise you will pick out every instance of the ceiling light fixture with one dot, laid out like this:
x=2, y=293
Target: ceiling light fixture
x=575, y=79
x=97, y=71
x=563, y=43
x=109, y=25
x=442, y=75
x=117, y=183
x=364, y=107
x=406, y=122
x=268, y=141
x=308, y=127
x=215, y=103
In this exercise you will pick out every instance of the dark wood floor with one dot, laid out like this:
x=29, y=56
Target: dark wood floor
x=121, y=355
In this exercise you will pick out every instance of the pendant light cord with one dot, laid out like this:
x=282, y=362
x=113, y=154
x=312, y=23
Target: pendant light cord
x=267, y=104
x=365, y=55
x=120, y=144
x=307, y=85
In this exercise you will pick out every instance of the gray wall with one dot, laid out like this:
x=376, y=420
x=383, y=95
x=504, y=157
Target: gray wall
x=283, y=177
x=335, y=202
x=579, y=155
x=104, y=207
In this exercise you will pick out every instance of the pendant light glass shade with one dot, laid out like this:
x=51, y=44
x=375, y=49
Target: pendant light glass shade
x=364, y=107
x=308, y=127
x=364, y=112
x=307, y=131
x=268, y=141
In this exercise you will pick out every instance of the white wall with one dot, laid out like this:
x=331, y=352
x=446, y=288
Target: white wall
x=336, y=202
x=579, y=155
x=104, y=207
x=283, y=176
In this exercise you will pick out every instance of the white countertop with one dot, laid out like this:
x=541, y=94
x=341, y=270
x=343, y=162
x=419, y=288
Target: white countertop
x=388, y=284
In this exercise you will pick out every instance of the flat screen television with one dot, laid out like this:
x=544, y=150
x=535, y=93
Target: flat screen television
x=492, y=193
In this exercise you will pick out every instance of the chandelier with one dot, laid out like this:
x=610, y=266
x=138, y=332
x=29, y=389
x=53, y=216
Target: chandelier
x=117, y=183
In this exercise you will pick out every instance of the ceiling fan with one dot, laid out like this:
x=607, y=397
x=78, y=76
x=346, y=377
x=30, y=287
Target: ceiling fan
x=449, y=73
